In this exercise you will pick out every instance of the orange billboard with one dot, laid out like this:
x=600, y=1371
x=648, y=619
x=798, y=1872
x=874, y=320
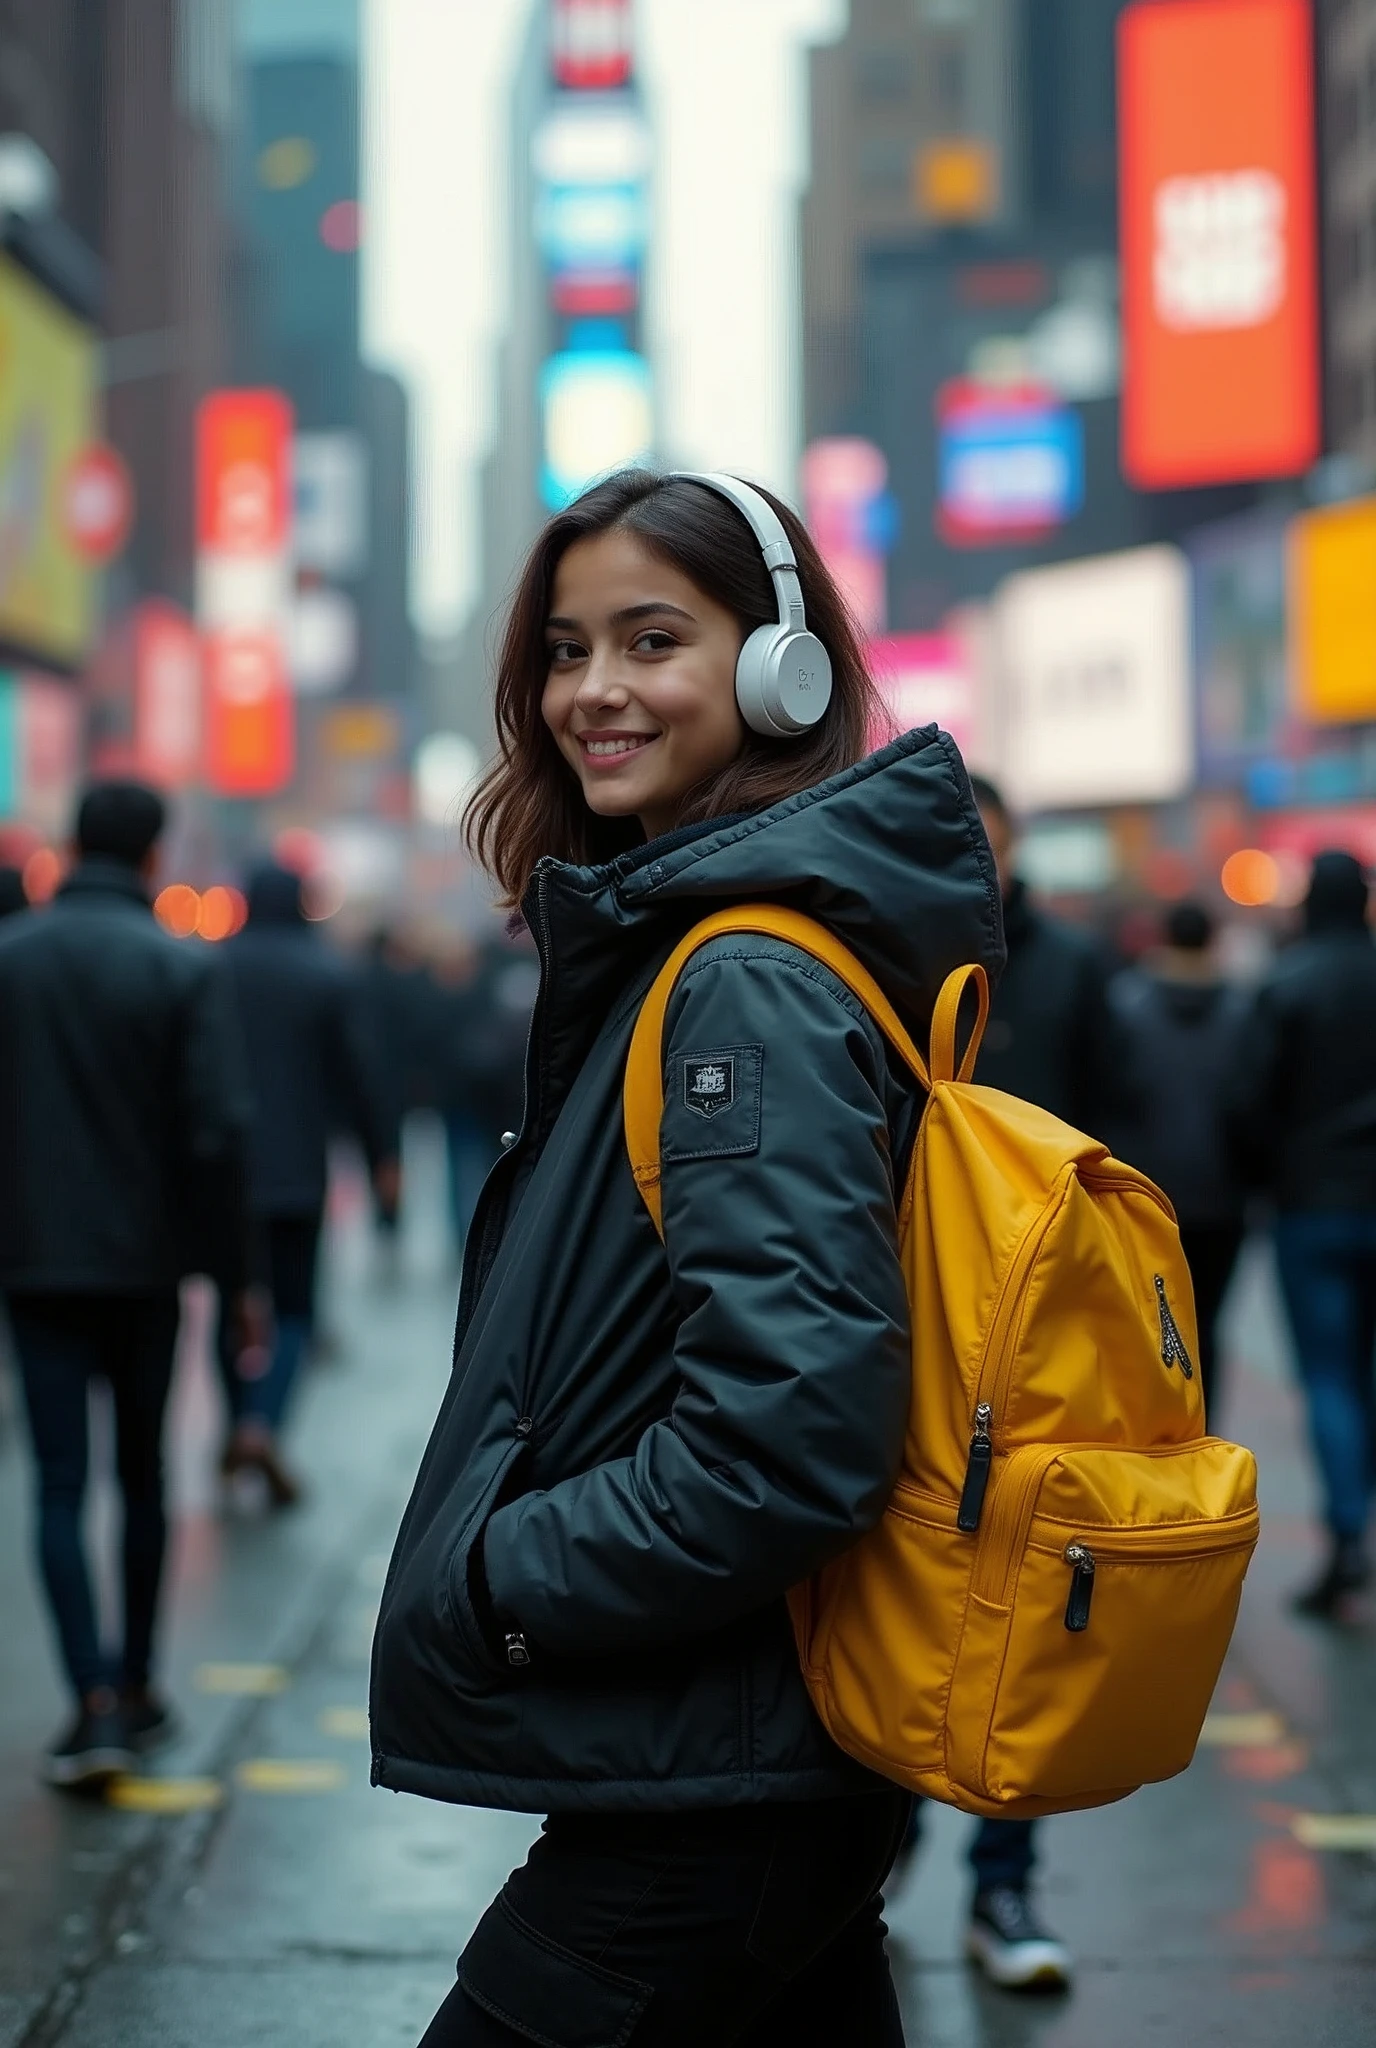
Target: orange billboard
x=1332, y=612
x=1217, y=198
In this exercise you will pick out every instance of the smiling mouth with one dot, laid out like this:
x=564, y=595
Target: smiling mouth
x=607, y=747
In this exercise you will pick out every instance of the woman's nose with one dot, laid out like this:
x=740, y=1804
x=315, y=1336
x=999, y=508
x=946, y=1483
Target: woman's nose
x=600, y=684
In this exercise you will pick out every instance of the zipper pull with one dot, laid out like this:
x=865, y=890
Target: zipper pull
x=976, y=1472
x=1080, y=1558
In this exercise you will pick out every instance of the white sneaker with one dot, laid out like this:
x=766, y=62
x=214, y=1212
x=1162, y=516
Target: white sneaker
x=1011, y=1946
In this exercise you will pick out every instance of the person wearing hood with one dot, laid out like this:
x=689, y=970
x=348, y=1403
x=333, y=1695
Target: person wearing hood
x=311, y=1065
x=1304, y=1111
x=122, y=1123
x=644, y=1444
x=1182, y=1031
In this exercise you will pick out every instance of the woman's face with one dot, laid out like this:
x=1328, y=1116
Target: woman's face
x=640, y=692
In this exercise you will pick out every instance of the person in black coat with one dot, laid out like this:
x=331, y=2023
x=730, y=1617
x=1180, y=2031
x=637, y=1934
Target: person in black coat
x=1182, y=1030
x=311, y=1065
x=122, y=1114
x=1304, y=1109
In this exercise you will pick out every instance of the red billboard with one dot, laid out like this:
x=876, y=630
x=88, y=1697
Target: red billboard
x=167, y=694
x=243, y=473
x=1217, y=197
x=250, y=738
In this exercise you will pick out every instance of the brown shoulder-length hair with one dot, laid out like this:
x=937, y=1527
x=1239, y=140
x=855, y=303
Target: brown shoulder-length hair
x=529, y=803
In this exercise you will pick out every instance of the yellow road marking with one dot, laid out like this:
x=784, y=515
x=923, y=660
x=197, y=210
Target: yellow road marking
x=164, y=1795
x=1335, y=1830
x=350, y=1724
x=259, y=1679
x=286, y=1774
x=1241, y=1731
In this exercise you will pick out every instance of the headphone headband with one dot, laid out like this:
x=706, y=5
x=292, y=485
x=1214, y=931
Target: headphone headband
x=768, y=529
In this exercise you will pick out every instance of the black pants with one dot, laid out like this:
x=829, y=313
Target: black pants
x=63, y=1342
x=756, y=1926
x=285, y=1254
x=1211, y=1251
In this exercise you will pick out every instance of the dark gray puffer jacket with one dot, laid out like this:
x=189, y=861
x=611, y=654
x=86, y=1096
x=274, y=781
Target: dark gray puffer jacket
x=647, y=1444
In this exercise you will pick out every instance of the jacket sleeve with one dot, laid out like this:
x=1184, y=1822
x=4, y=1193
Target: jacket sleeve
x=213, y=1114
x=786, y=1434
x=1254, y=1105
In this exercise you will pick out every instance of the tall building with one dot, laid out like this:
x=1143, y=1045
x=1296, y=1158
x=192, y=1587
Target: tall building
x=574, y=395
x=1348, y=127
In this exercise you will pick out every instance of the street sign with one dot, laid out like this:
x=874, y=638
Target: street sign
x=98, y=503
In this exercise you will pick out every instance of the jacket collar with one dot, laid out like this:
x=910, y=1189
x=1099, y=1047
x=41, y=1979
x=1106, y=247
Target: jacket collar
x=97, y=876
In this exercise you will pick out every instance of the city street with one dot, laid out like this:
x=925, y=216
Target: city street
x=292, y=1904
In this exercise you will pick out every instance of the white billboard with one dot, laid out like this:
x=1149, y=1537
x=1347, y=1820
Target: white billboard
x=1095, y=661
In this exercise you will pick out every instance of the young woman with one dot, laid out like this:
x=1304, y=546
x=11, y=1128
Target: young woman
x=644, y=1445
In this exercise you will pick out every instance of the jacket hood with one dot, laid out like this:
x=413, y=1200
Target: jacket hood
x=890, y=854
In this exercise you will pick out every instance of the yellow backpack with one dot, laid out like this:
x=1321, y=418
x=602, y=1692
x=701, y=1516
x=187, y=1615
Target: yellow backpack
x=1039, y=1620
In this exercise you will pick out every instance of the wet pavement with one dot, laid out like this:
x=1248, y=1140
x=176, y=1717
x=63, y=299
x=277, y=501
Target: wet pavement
x=293, y=1905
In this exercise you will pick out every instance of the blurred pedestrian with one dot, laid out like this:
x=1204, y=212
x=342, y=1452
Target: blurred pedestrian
x=482, y=1025
x=309, y=1065
x=1305, y=1110
x=399, y=1003
x=122, y=1107
x=1181, y=1028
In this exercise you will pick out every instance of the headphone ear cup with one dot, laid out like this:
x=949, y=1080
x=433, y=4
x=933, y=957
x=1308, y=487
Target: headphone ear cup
x=783, y=682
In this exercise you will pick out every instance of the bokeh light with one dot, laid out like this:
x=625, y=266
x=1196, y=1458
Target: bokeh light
x=286, y=163
x=341, y=226
x=298, y=848
x=43, y=871
x=178, y=909
x=223, y=912
x=1250, y=877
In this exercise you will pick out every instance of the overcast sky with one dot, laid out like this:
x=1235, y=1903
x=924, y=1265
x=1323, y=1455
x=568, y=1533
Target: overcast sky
x=724, y=82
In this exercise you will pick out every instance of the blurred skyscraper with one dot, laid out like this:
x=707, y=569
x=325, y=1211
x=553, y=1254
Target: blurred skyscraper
x=1348, y=84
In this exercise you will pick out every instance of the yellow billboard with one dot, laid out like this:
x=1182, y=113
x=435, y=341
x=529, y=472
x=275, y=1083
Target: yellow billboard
x=1332, y=576
x=47, y=417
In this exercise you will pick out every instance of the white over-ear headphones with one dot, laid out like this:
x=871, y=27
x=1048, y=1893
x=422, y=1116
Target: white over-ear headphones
x=783, y=674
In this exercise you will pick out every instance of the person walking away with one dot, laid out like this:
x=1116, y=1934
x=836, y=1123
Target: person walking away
x=399, y=1003
x=122, y=1114
x=1181, y=1028
x=310, y=1064
x=1305, y=1109
x=644, y=1444
x=483, y=1023
x=1050, y=1039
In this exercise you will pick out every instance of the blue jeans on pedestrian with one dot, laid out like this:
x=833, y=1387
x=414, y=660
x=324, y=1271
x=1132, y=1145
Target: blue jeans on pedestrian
x=286, y=1250
x=62, y=1343
x=1327, y=1265
x=1002, y=1852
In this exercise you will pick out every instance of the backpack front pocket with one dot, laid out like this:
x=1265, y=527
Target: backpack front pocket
x=1101, y=1608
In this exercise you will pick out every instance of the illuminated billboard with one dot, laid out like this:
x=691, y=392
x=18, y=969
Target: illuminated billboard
x=1220, y=293
x=583, y=227
x=591, y=43
x=1332, y=612
x=597, y=413
x=47, y=422
x=1095, y=664
x=924, y=679
x=1010, y=463
x=595, y=141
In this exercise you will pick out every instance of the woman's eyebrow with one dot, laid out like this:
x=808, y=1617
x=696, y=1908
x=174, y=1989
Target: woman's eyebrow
x=656, y=607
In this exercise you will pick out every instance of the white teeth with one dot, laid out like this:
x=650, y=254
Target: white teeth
x=615, y=746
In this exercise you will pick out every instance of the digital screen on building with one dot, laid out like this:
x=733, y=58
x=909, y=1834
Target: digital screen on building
x=923, y=679
x=1332, y=612
x=1095, y=661
x=1010, y=463
x=592, y=226
x=1237, y=604
x=597, y=414
x=1217, y=198
x=47, y=420
x=591, y=43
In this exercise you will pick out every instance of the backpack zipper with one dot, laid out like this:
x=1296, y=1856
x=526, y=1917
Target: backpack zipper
x=1080, y=1558
x=976, y=1472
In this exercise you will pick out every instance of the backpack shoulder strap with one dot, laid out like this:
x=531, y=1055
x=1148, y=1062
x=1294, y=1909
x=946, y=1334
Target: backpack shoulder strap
x=643, y=1093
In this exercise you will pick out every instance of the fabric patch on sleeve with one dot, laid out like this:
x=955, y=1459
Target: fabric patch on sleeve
x=712, y=1103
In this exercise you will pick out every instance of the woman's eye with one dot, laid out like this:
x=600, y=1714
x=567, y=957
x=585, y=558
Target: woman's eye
x=561, y=652
x=655, y=641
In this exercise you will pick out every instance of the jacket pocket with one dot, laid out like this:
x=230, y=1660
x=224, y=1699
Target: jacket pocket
x=1102, y=1603
x=483, y=1655
x=547, y=1993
